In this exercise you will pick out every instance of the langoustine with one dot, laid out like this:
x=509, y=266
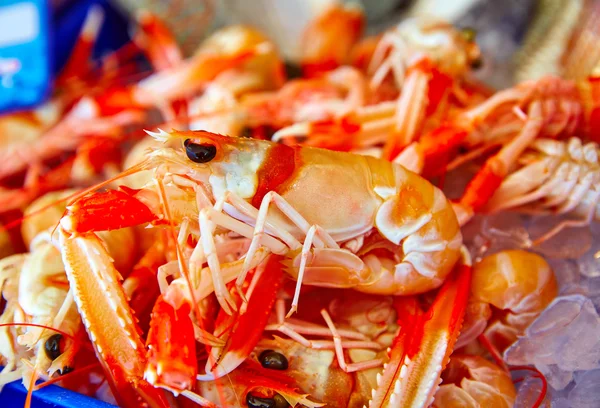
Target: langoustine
x=181, y=200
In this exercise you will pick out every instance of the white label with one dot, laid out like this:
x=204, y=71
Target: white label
x=9, y=66
x=19, y=24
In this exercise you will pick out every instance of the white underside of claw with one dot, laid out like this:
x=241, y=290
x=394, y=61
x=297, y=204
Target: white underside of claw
x=417, y=380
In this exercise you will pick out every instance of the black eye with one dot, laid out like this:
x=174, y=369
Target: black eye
x=258, y=402
x=200, y=153
x=273, y=360
x=52, y=346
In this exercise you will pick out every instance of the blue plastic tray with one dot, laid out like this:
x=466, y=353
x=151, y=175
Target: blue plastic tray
x=13, y=395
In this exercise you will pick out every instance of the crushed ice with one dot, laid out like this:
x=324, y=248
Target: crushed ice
x=563, y=343
x=565, y=338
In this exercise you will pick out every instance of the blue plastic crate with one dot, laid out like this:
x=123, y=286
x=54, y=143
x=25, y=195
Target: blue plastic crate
x=52, y=396
x=24, y=53
x=36, y=41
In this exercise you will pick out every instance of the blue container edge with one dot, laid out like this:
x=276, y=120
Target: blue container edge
x=52, y=396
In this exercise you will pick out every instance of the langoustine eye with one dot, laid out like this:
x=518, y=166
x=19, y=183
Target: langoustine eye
x=199, y=153
x=277, y=401
x=273, y=360
x=52, y=346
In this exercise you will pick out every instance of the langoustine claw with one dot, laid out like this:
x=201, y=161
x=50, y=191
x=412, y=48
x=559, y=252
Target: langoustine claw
x=102, y=303
x=423, y=346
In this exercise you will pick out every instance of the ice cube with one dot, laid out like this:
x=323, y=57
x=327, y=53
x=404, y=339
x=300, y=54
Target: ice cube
x=558, y=379
x=486, y=235
x=567, y=274
x=566, y=334
x=591, y=286
x=596, y=301
x=560, y=402
x=506, y=230
x=568, y=243
x=560, y=398
x=585, y=393
x=589, y=263
x=529, y=392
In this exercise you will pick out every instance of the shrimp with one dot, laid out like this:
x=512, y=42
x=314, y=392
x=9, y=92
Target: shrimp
x=254, y=95
x=19, y=131
x=10, y=268
x=36, y=291
x=254, y=385
x=550, y=105
x=262, y=72
x=411, y=365
x=509, y=290
x=230, y=183
x=229, y=170
x=43, y=215
x=452, y=51
x=324, y=99
x=423, y=347
x=221, y=107
x=34, y=139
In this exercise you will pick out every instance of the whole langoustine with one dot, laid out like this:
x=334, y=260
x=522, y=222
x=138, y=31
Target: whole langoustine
x=379, y=229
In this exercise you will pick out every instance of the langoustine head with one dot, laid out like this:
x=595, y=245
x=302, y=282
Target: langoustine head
x=509, y=290
x=451, y=50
